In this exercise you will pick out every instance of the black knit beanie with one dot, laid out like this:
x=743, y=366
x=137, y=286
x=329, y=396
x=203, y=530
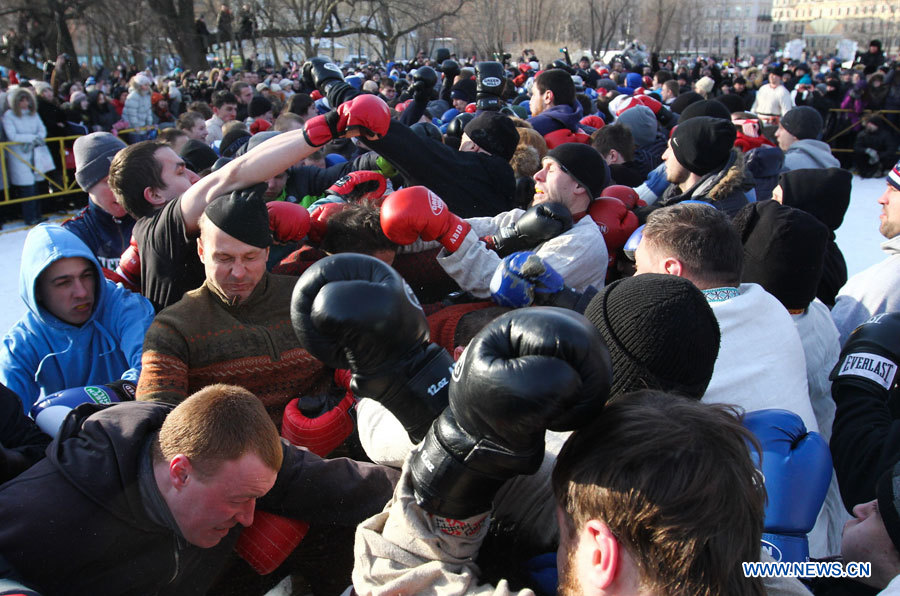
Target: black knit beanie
x=661, y=334
x=703, y=144
x=684, y=100
x=705, y=107
x=198, y=156
x=259, y=105
x=888, y=492
x=584, y=164
x=803, y=122
x=243, y=215
x=824, y=193
x=495, y=133
x=732, y=103
x=784, y=251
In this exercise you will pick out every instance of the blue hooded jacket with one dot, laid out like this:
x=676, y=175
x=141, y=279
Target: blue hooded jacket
x=557, y=117
x=41, y=354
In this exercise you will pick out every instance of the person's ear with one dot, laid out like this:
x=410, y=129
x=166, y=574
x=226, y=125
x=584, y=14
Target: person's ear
x=605, y=554
x=180, y=471
x=673, y=266
x=152, y=196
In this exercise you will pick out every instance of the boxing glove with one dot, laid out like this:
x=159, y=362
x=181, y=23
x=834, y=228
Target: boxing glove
x=448, y=116
x=471, y=108
x=359, y=186
x=796, y=467
x=354, y=311
x=320, y=74
x=129, y=267
x=458, y=124
x=538, y=224
x=450, y=70
x=423, y=83
x=869, y=359
x=524, y=278
x=415, y=212
x=50, y=411
x=632, y=243
x=528, y=371
x=626, y=194
x=615, y=221
x=441, y=55
x=489, y=81
x=368, y=113
x=318, y=221
x=289, y=222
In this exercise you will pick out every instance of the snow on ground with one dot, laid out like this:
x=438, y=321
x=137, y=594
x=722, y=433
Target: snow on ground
x=857, y=237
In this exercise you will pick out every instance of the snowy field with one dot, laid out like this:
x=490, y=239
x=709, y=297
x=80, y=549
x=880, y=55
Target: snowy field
x=858, y=239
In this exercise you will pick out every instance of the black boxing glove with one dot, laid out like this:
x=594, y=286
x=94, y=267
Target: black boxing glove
x=423, y=84
x=869, y=359
x=321, y=73
x=354, y=311
x=441, y=55
x=538, y=224
x=528, y=371
x=489, y=78
x=450, y=69
x=458, y=124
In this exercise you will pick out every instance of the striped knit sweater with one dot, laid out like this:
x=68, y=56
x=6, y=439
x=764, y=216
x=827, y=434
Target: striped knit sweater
x=202, y=340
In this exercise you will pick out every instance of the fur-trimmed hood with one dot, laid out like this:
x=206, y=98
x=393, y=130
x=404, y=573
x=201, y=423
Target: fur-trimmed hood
x=725, y=188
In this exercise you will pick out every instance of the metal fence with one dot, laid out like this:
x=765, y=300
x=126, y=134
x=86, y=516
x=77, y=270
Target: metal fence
x=60, y=181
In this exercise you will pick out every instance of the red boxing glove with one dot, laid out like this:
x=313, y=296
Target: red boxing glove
x=289, y=222
x=129, y=268
x=368, y=113
x=470, y=108
x=616, y=222
x=626, y=194
x=359, y=186
x=318, y=223
x=316, y=95
x=594, y=121
x=416, y=212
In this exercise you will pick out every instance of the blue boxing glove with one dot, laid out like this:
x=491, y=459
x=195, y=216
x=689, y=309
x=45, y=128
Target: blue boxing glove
x=523, y=278
x=519, y=276
x=796, y=465
x=50, y=411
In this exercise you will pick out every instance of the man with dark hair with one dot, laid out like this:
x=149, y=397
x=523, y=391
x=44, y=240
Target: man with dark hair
x=616, y=145
x=155, y=497
x=772, y=101
x=243, y=92
x=475, y=181
x=224, y=107
x=553, y=105
x=152, y=183
x=194, y=125
x=761, y=363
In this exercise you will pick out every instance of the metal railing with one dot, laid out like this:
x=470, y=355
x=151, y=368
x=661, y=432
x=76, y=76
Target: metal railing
x=60, y=185
x=880, y=114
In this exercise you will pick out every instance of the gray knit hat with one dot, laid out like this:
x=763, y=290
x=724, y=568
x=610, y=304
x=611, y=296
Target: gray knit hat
x=661, y=334
x=803, y=122
x=93, y=154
